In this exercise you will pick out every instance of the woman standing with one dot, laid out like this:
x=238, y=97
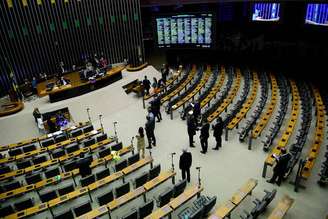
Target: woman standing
x=141, y=142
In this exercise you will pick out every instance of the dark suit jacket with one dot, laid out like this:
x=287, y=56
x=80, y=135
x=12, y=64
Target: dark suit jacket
x=204, y=132
x=218, y=127
x=282, y=163
x=185, y=160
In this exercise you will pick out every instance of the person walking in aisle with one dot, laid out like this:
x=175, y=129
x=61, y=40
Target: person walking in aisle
x=146, y=85
x=156, y=104
x=191, y=126
x=141, y=142
x=149, y=127
x=281, y=167
x=185, y=164
x=204, y=135
x=217, y=133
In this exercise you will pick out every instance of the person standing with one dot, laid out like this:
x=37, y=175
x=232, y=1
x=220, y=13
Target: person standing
x=141, y=142
x=157, y=107
x=191, y=128
x=197, y=110
x=185, y=164
x=34, y=85
x=281, y=167
x=204, y=135
x=36, y=114
x=149, y=127
x=146, y=85
x=154, y=84
x=217, y=133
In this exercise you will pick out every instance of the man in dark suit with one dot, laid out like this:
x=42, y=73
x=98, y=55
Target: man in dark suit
x=185, y=164
x=197, y=110
x=156, y=104
x=281, y=167
x=204, y=135
x=146, y=85
x=149, y=127
x=191, y=128
x=218, y=128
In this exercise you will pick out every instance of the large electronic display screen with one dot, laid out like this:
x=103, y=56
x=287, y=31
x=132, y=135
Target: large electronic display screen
x=195, y=30
x=317, y=14
x=266, y=12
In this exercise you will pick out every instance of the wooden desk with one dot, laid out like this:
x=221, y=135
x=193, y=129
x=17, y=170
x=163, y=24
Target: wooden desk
x=185, y=196
x=160, y=212
x=126, y=198
x=67, y=197
x=29, y=211
x=137, y=165
x=223, y=211
x=244, y=191
x=106, y=180
x=162, y=177
x=283, y=205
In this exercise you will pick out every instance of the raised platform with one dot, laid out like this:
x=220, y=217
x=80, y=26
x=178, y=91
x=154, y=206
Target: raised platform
x=11, y=108
x=138, y=68
x=78, y=87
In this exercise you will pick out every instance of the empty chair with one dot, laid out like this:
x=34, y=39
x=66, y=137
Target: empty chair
x=154, y=172
x=39, y=159
x=141, y=180
x=82, y=209
x=117, y=147
x=23, y=164
x=47, y=142
x=66, y=189
x=26, y=203
x=33, y=178
x=29, y=148
x=88, y=128
x=70, y=166
x=68, y=214
x=105, y=198
x=131, y=215
x=58, y=153
x=102, y=174
x=134, y=158
x=165, y=197
x=52, y=172
x=4, y=169
x=48, y=195
x=122, y=190
x=71, y=148
x=209, y=204
x=60, y=138
x=87, y=180
x=198, y=214
x=12, y=186
x=104, y=152
x=76, y=132
x=101, y=137
x=89, y=142
x=15, y=152
x=146, y=209
x=179, y=187
x=121, y=165
x=5, y=211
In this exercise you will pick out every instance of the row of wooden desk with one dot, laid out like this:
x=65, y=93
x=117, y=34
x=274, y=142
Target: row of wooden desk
x=142, y=190
x=228, y=206
x=246, y=106
x=216, y=88
x=52, y=147
x=289, y=130
x=168, y=83
x=191, y=75
x=200, y=85
x=175, y=203
x=38, y=139
x=84, y=190
x=265, y=118
x=59, y=160
x=318, y=135
x=227, y=101
x=61, y=177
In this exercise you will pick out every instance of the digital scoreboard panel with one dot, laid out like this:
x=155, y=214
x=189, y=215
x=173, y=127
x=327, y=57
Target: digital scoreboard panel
x=195, y=30
x=266, y=12
x=317, y=14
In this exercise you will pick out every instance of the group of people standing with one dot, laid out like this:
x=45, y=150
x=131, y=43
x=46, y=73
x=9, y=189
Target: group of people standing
x=192, y=127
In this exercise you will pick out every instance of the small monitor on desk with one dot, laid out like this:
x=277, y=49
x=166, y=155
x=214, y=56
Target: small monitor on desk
x=50, y=86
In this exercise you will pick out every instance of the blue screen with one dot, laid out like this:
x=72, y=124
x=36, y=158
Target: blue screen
x=266, y=12
x=317, y=14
